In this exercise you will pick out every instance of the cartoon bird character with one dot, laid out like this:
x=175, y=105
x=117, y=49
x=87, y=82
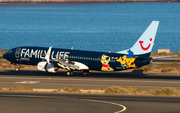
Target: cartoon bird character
x=105, y=63
x=127, y=61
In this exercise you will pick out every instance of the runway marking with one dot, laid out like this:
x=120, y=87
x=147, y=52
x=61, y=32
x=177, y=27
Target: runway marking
x=62, y=79
x=27, y=82
x=124, y=108
x=106, y=102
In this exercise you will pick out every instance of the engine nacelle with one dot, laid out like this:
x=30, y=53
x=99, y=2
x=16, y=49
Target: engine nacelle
x=44, y=66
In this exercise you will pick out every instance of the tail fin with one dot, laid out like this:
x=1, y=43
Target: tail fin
x=145, y=43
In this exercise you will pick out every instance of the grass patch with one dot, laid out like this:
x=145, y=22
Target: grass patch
x=75, y=90
x=148, y=92
x=21, y=88
x=5, y=66
x=3, y=51
x=176, y=53
x=116, y=90
x=166, y=91
x=58, y=90
x=1, y=62
x=163, y=91
x=165, y=54
x=173, y=65
x=167, y=70
x=9, y=66
x=89, y=92
x=133, y=91
x=22, y=66
x=1, y=89
x=69, y=90
x=147, y=69
x=121, y=90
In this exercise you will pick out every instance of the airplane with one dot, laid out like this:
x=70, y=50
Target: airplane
x=51, y=59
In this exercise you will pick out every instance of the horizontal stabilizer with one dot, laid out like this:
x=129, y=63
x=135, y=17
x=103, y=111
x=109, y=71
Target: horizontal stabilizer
x=164, y=57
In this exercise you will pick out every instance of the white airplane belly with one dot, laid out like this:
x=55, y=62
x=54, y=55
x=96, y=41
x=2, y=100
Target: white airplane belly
x=81, y=65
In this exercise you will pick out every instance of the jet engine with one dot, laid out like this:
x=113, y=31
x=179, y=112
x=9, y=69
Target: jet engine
x=47, y=67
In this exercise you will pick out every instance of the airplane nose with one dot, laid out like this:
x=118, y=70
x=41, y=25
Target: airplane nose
x=5, y=55
x=9, y=56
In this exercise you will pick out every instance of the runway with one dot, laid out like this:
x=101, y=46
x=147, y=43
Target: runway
x=21, y=102
x=97, y=80
x=16, y=102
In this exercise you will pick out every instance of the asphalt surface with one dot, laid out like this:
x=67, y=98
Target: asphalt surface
x=17, y=102
x=24, y=102
x=96, y=80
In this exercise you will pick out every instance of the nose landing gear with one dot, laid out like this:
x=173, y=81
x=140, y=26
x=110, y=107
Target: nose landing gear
x=18, y=67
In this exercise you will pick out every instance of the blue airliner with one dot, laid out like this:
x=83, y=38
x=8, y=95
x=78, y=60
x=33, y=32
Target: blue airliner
x=51, y=59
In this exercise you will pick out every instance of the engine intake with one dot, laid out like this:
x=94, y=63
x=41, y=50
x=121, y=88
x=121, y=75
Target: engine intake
x=44, y=66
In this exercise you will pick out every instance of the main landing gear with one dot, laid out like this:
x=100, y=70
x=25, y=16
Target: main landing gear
x=86, y=72
x=69, y=73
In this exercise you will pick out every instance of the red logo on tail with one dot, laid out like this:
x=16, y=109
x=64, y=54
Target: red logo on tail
x=145, y=48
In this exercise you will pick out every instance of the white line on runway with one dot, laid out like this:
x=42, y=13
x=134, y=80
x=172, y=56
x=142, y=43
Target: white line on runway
x=124, y=108
x=106, y=102
x=28, y=82
x=62, y=79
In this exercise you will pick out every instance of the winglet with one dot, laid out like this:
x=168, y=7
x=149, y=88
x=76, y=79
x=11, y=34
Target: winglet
x=48, y=54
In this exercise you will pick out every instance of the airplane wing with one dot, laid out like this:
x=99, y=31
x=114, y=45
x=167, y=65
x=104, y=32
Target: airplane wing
x=65, y=63
x=69, y=65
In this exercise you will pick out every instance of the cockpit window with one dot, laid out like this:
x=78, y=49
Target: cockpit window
x=10, y=51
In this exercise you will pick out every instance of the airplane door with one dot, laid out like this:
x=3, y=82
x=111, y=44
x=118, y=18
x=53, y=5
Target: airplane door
x=17, y=55
x=18, y=52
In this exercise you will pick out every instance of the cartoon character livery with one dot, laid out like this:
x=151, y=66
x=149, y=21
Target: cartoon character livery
x=105, y=63
x=127, y=61
x=51, y=59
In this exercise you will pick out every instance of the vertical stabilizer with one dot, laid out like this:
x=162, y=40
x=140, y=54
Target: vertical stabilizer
x=145, y=43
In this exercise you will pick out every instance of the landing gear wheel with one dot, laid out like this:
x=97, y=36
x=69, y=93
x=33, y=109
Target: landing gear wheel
x=69, y=73
x=18, y=68
x=72, y=73
x=86, y=73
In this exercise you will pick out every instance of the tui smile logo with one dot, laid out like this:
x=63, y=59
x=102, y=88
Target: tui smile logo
x=145, y=48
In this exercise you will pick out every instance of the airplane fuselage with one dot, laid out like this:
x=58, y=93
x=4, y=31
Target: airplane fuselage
x=101, y=61
x=51, y=59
